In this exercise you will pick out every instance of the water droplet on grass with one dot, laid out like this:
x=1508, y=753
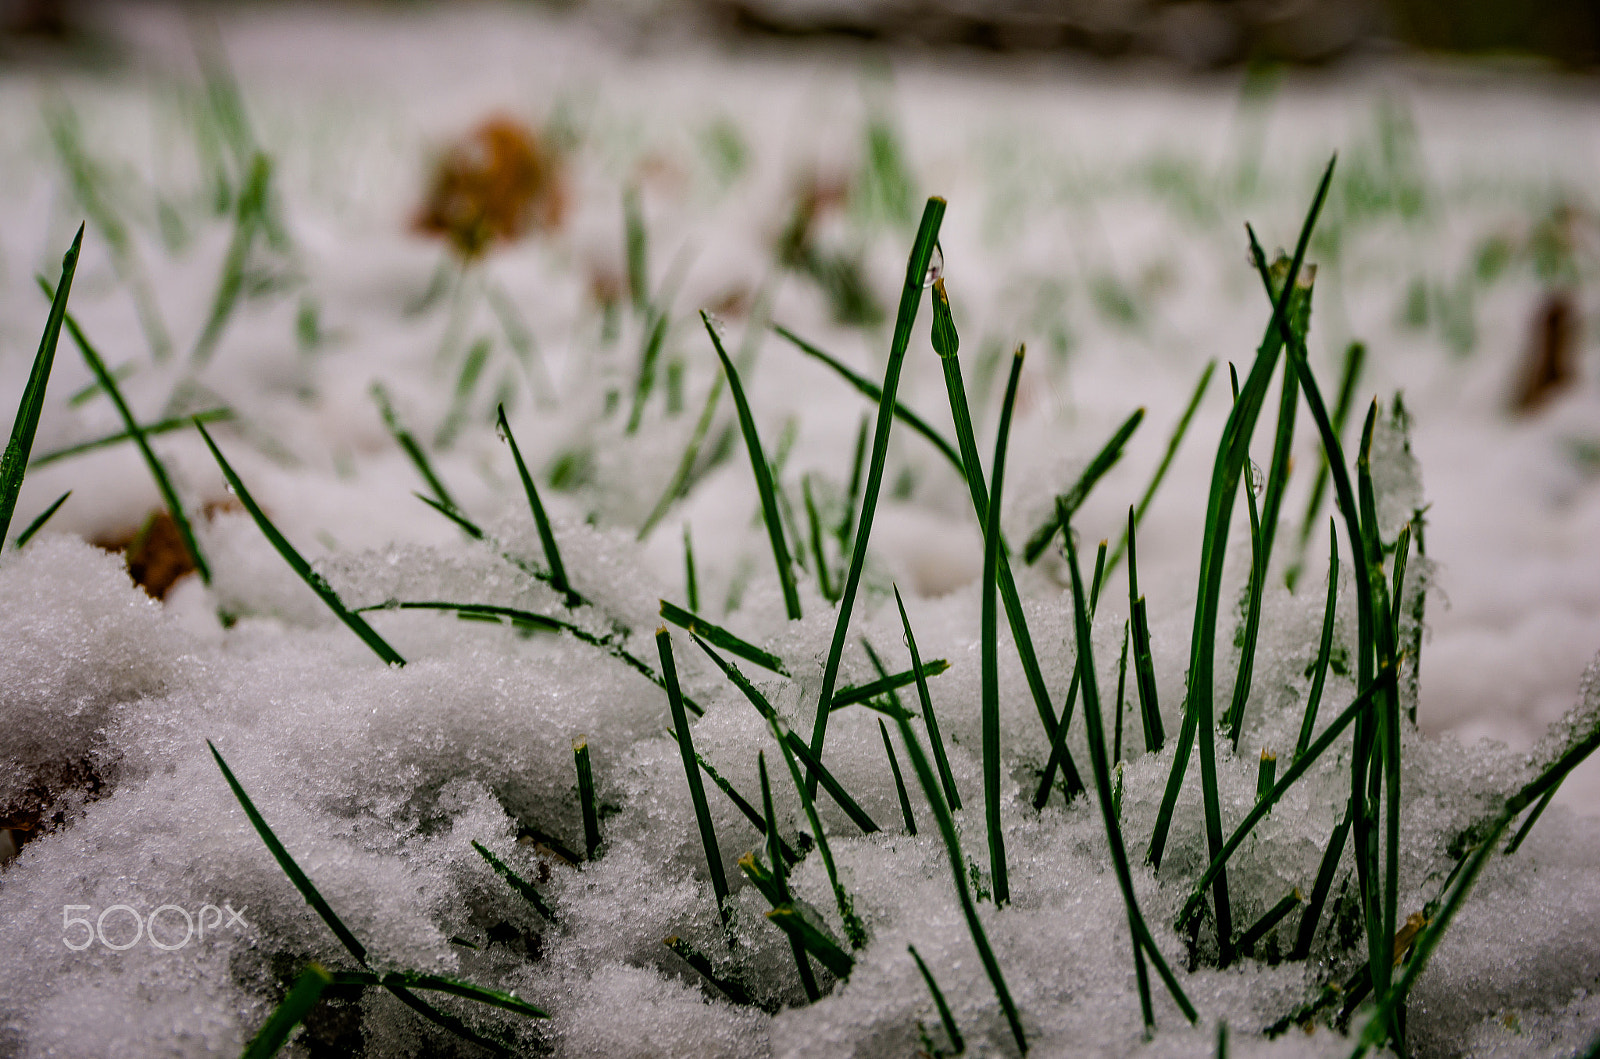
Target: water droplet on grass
x=935, y=268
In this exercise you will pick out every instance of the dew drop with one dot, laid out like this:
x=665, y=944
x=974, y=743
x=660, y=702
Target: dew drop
x=935, y=267
x=1257, y=479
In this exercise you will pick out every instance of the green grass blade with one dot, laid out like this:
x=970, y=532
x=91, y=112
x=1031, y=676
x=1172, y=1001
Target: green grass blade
x=958, y=871
x=530, y=620
x=1143, y=664
x=852, y=695
x=440, y=1018
x=852, y=497
x=691, y=770
x=163, y=426
x=946, y=780
x=763, y=475
x=1319, y=892
x=899, y=781
x=301, y=998
x=290, y=868
x=776, y=854
x=1074, y=497
x=1233, y=720
x=739, y=801
x=472, y=365
x=814, y=527
x=14, y=464
x=1355, y=356
x=38, y=524
x=1271, y=918
x=649, y=356
x=409, y=445
x=313, y=580
x=1173, y=444
x=828, y=952
x=466, y=525
x=1122, y=688
x=230, y=284
x=1527, y=825
x=990, y=644
x=1291, y=776
x=1266, y=773
x=158, y=471
x=910, y=299
x=1095, y=731
x=1058, y=749
x=951, y=1030
x=516, y=882
x=692, y=956
x=717, y=635
x=636, y=237
x=547, y=537
x=1324, y=647
x=691, y=582
x=1402, y=552
x=869, y=389
x=792, y=743
x=591, y=818
x=439, y=983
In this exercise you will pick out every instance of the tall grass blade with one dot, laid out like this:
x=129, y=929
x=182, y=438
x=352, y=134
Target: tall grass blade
x=869, y=389
x=780, y=876
x=289, y=1013
x=586, y=800
x=547, y=537
x=1319, y=673
x=1074, y=497
x=1155, y=735
x=1058, y=749
x=1094, y=727
x=910, y=299
x=14, y=464
x=989, y=636
x=248, y=215
x=814, y=527
x=38, y=524
x=691, y=771
x=763, y=475
x=958, y=871
x=864, y=693
x=741, y=803
x=1233, y=721
x=792, y=743
x=1122, y=688
x=150, y=430
x=1173, y=444
x=852, y=496
x=1355, y=356
x=515, y=881
x=313, y=580
x=957, y=1044
x=1319, y=892
x=158, y=471
x=935, y=741
x=691, y=581
x=715, y=634
x=287, y=863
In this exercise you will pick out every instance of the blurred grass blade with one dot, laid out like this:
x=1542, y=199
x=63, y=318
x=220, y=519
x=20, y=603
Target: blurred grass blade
x=14, y=464
x=301, y=998
x=929, y=721
x=958, y=871
x=1074, y=497
x=409, y=445
x=547, y=537
x=989, y=637
x=850, y=695
x=591, y=818
x=910, y=299
x=691, y=770
x=636, y=237
x=956, y=1042
x=1173, y=444
x=38, y=524
x=691, y=582
x=720, y=637
x=763, y=475
x=249, y=211
x=162, y=426
x=1324, y=646
x=466, y=525
x=814, y=528
x=869, y=389
x=515, y=881
x=657, y=323
x=313, y=580
x=286, y=862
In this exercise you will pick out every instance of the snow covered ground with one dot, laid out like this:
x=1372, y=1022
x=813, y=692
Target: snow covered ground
x=1095, y=214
